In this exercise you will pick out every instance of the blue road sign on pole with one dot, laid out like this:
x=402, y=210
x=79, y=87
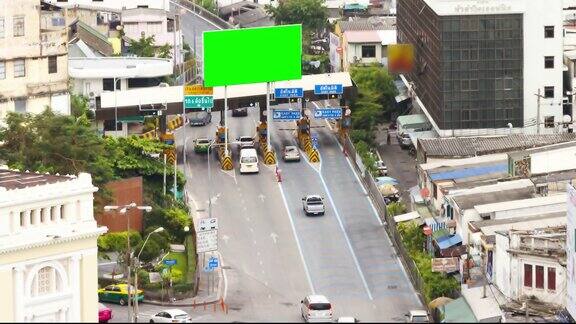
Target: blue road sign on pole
x=326, y=89
x=284, y=115
x=213, y=263
x=288, y=93
x=315, y=141
x=198, y=102
x=170, y=262
x=328, y=113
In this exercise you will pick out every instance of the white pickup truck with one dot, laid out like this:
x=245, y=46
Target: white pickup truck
x=313, y=205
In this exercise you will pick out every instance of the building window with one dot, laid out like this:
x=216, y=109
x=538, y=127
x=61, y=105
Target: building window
x=369, y=51
x=2, y=70
x=548, y=62
x=528, y=275
x=62, y=213
x=549, y=121
x=19, y=68
x=20, y=106
x=548, y=31
x=22, y=219
x=2, y=27
x=108, y=85
x=540, y=277
x=52, y=64
x=551, y=278
x=18, y=28
x=45, y=281
x=548, y=92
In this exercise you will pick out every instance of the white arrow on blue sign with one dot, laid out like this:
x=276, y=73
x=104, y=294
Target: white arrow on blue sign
x=321, y=89
x=328, y=113
x=288, y=93
x=213, y=262
x=283, y=115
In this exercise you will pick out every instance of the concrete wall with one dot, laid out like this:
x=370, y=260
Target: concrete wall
x=553, y=160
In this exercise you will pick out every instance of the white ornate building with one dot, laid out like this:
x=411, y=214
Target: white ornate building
x=48, y=251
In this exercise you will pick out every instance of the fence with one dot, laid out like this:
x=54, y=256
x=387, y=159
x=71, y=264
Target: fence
x=199, y=10
x=389, y=223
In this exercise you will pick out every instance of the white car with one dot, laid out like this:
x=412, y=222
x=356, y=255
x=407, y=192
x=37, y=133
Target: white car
x=313, y=205
x=291, y=153
x=316, y=308
x=248, y=161
x=417, y=316
x=246, y=141
x=171, y=316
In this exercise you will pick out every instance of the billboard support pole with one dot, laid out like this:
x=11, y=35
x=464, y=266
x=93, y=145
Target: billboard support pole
x=268, y=115
x=225, y=120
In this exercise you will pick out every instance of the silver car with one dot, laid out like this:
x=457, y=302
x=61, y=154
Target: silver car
x=291, y=153
x=200, y=118
x=313, y=205
x=246, y=141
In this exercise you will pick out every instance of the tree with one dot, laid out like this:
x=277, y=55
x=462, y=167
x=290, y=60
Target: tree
x=165, y=51
x=144, y=47
x=312, y=14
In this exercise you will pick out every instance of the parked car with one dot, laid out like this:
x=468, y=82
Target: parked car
x=381, y=168
x=240, y=111
x=316, y=308
x=200, y=118
x=104, y=313
x=404, y=140
x=245, y=141
x=118, y=294
x=291, y=153
x=417, y=316
x=313, y=205
x=202, y=145
x=171, y=316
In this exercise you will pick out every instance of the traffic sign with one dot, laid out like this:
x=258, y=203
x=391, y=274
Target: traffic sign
x=207, y=241
x=213, y=262
x=283, y=115
x=198, y=89
x=325, y=89
x=208, y=269
x=202, y=102
x=170, y=262
x=206, y=224
x=288, y=93
x=328, y=113
x=315, y=141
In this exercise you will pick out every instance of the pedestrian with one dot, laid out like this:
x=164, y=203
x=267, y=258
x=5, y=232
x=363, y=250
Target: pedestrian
x=388, y=138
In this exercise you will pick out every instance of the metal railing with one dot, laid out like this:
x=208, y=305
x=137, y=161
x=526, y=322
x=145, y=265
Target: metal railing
x=201, y=11
x=388, y=220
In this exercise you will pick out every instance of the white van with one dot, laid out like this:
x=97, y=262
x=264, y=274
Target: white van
x=248, y=160
x=316, y=308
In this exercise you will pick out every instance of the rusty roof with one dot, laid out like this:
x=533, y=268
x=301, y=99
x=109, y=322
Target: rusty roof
x=11, y=180
x=458, y=147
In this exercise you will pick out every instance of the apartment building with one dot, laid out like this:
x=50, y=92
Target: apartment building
x=33, y=58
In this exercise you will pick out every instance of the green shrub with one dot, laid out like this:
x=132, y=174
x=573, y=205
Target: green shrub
x=396, y=208
x=116, y=242
x=151, y=250
x=357, y=135
x=174, y=274
x=143, y=277
x=173, y=220
x=183, y=287
x=190, y=244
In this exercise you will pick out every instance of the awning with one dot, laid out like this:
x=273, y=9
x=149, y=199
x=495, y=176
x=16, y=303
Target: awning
x=453, y=251
x=131, y=119
x=406, y=217
x=458, y=311
x=448, y=241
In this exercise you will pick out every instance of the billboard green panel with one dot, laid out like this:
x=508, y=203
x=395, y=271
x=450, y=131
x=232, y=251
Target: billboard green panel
x=252, y=55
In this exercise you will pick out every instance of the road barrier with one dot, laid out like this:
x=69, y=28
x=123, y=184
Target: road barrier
x=269, y=157
x=225, y=160
x=175, y=123
x=306, y=144
x=388, y=220
x=151, y=135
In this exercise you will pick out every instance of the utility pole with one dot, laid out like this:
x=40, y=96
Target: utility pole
x=538, y=113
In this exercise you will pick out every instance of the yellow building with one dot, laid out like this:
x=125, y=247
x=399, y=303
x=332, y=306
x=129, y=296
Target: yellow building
x=48, y=250
x=33, y=58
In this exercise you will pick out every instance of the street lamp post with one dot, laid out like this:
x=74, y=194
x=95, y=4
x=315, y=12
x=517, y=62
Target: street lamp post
x=158, y=230
x=123, y=210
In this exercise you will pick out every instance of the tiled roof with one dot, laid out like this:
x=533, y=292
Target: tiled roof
x=11, y=180
x=371, y=23
x=473, y=146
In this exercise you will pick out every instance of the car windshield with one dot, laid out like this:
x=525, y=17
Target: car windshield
x=203, y=141
x=248, y=159
x=419, y=319
x=246, y=139
x=314, y=201
x=183, y=316
x=290, y=149
x=320, y=306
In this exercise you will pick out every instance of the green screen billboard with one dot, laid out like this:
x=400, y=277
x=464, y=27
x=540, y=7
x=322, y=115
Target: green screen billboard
x=252, y=55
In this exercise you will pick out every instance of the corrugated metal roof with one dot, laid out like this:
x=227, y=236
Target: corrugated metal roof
x=471, y=200
x=470, y=172
x=454, y=147
x=372, y=23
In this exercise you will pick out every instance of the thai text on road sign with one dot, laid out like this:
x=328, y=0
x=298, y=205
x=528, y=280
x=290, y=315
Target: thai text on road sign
x=320, y=89
x=288, y=93
x=198, y=89
x=283, y=115
x=202, y=102
x=207, y=241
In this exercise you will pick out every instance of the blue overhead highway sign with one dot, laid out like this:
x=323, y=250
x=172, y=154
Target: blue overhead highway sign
x=284, y=115
x=288, y=93
x=326, y=89
x=198, y=102
x=328, y=113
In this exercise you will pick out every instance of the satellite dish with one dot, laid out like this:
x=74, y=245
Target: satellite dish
x=566, y=119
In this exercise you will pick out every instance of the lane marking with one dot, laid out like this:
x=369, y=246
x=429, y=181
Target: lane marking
x=197, y=15
x=296, y=237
